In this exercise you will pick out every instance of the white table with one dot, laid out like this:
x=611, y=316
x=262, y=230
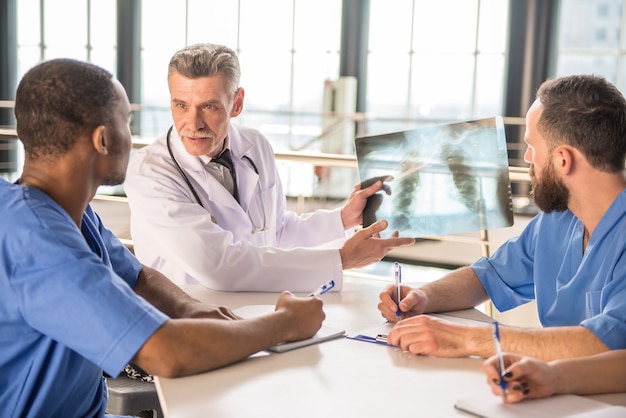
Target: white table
x=338, y=378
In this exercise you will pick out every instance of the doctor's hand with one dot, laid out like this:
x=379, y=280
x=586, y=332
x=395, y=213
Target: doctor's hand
x=432, y=336
x=366, y=247
x=304, y=315
x=412, y=302
x=526, y=377
x=352, y=211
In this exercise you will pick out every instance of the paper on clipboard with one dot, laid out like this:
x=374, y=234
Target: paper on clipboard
x=378, y=333
x=554, y=406
x=324, y=334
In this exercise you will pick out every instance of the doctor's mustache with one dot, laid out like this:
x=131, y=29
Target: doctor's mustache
x=197, y=134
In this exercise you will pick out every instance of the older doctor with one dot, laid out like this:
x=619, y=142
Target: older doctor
x=198, y=217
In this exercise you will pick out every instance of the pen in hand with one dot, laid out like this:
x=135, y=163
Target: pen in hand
x=397, y=272
x=323, y=288
x=496, y=342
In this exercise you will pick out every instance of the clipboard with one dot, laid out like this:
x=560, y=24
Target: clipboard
x=376, y=334
x=554, y=406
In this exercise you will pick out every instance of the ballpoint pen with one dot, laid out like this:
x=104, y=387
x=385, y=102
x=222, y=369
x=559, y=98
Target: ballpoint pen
x=323, y=288
x=397, y=273
x=496, y=342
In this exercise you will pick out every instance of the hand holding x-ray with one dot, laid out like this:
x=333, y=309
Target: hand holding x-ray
x=375, y=200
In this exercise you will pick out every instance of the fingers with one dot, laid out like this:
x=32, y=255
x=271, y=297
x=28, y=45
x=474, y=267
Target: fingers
x=387, y=306
x=372, y=181
x=490, y=367
x=517, y=386
x=374, y=230
x=366, y=246
x=305, y=315
x=410, y=304
x=423, y=334
x=228, y=314
x=392, y=243
x=496, y=389
x=516, y=390
x=370, y=190
x=410, y=336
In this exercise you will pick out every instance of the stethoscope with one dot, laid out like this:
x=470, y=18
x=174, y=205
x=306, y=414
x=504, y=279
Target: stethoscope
x=255, y=229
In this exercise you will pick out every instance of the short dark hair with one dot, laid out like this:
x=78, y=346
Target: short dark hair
x=59, y=100
x=588, y=113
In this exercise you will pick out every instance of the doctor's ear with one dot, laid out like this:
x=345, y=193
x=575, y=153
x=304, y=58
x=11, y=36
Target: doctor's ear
x=99, y=141
x=238, y=102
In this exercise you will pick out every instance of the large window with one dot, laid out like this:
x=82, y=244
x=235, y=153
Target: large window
x=287, y=48
x=428, y=61
x=592, y=39
x=46, y=29
x=433, y=60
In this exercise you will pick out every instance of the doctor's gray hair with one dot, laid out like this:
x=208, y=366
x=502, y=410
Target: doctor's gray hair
x=207, y=60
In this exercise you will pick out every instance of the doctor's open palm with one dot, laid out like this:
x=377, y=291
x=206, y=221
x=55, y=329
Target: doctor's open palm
x=366, y=247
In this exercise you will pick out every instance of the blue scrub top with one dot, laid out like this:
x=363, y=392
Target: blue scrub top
x=67, y=308
x=546, y=263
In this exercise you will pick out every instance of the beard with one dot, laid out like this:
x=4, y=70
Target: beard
x=549, y=192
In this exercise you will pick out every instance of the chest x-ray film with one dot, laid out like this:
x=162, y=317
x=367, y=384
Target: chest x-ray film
x=438, y=179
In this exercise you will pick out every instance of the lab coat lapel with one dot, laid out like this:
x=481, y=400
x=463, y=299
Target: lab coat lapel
x=247, y=178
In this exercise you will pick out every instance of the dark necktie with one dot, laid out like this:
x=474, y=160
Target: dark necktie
x=226, y=160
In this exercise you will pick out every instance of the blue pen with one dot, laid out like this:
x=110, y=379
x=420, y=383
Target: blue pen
x=397, y=273
x=496, y=342
x=323, y=288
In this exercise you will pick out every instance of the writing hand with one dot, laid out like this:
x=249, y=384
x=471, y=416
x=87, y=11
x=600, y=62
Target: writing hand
x=526, y=377
x=412, y=302
x=305, y=315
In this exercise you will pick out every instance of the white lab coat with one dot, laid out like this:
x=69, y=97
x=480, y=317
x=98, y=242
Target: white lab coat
x=215, y=245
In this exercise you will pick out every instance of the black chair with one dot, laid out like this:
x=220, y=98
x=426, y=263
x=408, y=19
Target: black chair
x=133, y=397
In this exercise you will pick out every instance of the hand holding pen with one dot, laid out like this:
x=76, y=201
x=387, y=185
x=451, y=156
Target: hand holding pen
x=304, y=315
x=414, y=300
x=498, y=348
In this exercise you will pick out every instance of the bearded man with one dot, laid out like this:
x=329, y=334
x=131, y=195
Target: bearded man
x=570, y=258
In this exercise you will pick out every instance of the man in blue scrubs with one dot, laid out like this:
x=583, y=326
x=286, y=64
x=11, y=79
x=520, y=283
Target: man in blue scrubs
x=73, y=300
x=571, y=258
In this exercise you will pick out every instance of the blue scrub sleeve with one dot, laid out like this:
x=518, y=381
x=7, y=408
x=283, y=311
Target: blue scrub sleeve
x=507, y=276
x=68, y=294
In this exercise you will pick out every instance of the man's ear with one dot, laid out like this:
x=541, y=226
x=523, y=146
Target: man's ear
x=99, y=141
x=564, y=159
x=238, y=103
